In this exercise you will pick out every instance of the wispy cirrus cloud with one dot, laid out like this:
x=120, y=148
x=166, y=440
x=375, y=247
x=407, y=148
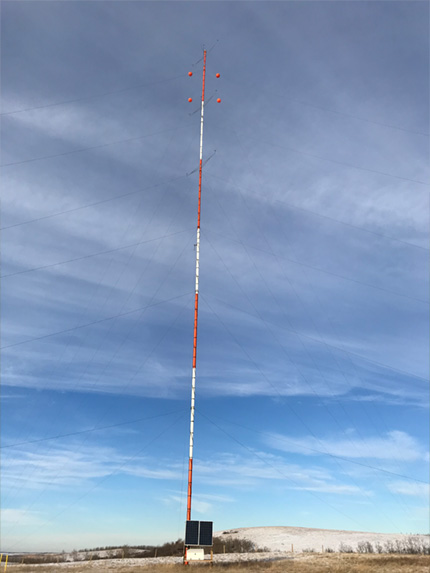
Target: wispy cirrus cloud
x=395, y=445
x=250, y=472
x=63, y=468
x=410, y=488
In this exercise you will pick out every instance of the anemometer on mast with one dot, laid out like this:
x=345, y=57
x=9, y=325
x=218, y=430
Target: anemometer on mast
x=197, y=533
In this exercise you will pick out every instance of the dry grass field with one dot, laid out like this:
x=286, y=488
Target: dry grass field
x=316, y=563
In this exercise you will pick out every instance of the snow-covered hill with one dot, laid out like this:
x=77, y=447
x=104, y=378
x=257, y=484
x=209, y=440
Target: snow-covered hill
x=299, y=539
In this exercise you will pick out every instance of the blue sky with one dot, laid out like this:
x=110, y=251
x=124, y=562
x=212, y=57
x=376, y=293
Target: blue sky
x=312, y=368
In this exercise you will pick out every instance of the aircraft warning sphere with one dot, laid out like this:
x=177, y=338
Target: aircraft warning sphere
x=217, y=75
x=190, y=99
x=190, y=73
x=219, y=100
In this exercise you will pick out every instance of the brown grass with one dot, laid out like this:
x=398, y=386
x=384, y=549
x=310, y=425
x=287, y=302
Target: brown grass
x=318, y=563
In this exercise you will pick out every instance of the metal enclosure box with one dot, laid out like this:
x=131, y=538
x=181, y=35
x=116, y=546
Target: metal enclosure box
x=195, y=554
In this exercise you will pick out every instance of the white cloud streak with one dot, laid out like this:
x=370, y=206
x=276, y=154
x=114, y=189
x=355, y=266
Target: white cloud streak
x=410, y=489
x=394, y=446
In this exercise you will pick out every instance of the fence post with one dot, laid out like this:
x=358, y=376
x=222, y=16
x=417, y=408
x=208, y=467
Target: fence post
x=5, y=565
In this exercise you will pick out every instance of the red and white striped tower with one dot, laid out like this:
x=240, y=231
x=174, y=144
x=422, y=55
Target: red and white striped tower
x=196, y=302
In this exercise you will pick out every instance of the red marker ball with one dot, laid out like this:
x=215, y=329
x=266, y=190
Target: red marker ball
x=190, y=99
x=190, y=73
x=219, y=100
x=217, y=75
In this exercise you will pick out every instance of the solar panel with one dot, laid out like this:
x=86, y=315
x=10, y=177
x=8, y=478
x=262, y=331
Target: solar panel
x=199, y=533
x=205, y=537
x=192, y=533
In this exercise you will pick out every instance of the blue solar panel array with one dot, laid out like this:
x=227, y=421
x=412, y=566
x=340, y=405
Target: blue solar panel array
x=199, y=533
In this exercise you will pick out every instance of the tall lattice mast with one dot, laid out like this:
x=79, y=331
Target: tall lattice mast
x=196, y=301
